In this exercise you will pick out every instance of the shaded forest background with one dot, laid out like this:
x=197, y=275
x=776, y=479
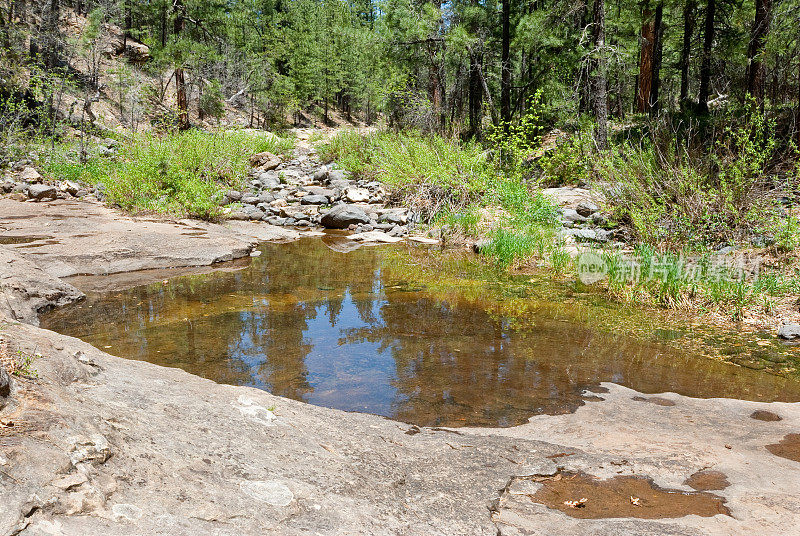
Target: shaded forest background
x=456, y=68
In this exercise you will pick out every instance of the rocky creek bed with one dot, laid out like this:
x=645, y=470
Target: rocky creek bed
x=97, y=444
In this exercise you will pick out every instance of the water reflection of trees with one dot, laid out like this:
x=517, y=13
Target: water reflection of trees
x=452, y=362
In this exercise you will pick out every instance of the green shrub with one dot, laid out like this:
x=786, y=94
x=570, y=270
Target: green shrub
x=671, y=195
x=181, y=174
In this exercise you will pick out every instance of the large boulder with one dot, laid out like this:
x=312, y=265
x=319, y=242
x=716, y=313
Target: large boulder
x=116, y=44
x=343, y=216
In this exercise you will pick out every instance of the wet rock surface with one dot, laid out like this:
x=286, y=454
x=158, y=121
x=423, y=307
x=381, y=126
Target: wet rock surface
x=586, y=497
x=708, y=481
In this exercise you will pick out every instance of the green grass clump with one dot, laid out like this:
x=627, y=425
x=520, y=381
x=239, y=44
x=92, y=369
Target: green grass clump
x=448, y=182
x=408, y=158
x=695, y=282
x=181, y=174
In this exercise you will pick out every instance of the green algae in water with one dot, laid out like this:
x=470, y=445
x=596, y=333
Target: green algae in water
x=405, y=332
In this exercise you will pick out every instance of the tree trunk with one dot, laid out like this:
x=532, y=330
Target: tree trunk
x=598, y=72
x=705, y=64
x=180, y=80
x=50, y=35
x=128, y=24
x=658, y=50
x=584, y=101
x=645, y=79
x=475, y=93
x=755, y=67
x=686, y=51
x=505, y=67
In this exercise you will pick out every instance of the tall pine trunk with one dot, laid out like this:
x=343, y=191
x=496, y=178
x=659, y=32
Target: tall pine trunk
x=686, y=50
x=705, y=64
x=475, y=92
x=584, y=101
x=505, y=66
x=598, y=73
x=645, y=79
x=758, y=36
x=50, y=34
x=658, y=50
x=180, y=80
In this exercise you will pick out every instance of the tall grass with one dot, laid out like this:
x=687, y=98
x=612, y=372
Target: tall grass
x=447, y=181
x=411, y=158
x=181, y=174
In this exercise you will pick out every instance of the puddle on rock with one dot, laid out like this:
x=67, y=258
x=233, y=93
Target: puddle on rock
x=400, y=331
x=23, y=239
x=616, y=496
x=707, y=481
x=766, y=416
x=788, y=447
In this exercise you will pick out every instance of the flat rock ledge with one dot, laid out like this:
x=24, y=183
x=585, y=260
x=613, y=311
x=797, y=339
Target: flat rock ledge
x=100, y=445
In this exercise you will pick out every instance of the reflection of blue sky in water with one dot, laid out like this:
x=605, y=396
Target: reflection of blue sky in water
x=357, y=332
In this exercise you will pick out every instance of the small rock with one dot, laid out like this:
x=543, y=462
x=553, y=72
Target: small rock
x=374, y=236
x=789, y=332
x=28, y=174
x=357, y=195
x=255, y=253
x=398, y=230
x=42, y=191
x=250, y=200
x=314, y=200
x=5, y=384
x=336, y=175
x=127, y=512
x=321, y=175
x=423, y=240
x=70, y=187
x=570, y=214
x=266, y=161
x=342, y=216
x=70, y=481
x=95, y=450
x=394, y=217
x=586, y=208
x=233, y=195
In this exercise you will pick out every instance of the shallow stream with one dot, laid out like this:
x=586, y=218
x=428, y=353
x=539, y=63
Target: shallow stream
x=413, y=334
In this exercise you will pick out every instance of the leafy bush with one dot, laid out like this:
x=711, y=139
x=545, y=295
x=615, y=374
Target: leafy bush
x=672, y=196
x=179, y=174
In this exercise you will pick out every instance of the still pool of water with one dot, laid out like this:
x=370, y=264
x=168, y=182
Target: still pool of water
x=396, y=331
